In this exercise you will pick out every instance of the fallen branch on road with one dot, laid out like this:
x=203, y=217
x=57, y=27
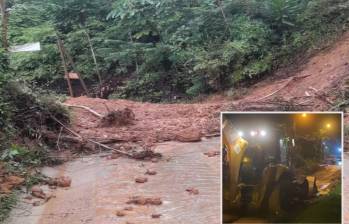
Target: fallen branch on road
x=85, y=108
x=141, y=154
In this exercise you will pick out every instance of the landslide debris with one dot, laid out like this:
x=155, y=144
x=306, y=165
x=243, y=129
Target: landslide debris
x=7, y=183
x=192, y=190
x=155, y=216
x=327, y=177
x=212, y=153
x=60, y=181
x=151, y=172
x=120, y=213
x=120, y=117
x=152, y=123
x=140, y=200
x=141, y=180
x=38, y=192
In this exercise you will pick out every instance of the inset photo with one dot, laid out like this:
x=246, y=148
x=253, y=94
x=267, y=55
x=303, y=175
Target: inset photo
x=282, y=167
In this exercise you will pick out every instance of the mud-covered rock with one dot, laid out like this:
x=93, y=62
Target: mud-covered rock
x=37, y=191
x=139, y=200
x=141, y=180
x=188, y=135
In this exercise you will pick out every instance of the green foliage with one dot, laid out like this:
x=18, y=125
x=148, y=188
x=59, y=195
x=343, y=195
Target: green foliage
x=24, y=156
x=162, y=48
x=7, y=202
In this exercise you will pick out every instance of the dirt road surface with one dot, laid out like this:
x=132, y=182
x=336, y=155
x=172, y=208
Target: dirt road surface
x=101, y=187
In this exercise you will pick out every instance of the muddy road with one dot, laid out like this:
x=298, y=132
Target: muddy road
x=101, y=187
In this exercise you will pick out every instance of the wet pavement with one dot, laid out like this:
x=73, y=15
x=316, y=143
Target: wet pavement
x=101, y=187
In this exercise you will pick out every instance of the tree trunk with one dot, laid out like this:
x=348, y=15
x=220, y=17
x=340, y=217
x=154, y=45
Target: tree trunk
x=4, y=21
x=94, y=58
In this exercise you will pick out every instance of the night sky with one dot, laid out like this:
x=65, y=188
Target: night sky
x=304, y=125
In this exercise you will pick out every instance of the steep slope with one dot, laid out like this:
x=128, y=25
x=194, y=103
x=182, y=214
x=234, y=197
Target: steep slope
x=315, y=86
x=317, y=82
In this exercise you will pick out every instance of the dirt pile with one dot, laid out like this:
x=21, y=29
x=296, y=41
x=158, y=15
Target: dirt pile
x=151, y=123
x=327, y=177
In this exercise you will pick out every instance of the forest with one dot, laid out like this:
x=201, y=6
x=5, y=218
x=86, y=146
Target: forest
x=158, y=51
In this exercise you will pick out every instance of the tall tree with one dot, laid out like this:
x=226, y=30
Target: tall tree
x=4, y=23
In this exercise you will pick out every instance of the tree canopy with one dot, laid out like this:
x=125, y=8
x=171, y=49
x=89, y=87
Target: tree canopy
x=156, y=49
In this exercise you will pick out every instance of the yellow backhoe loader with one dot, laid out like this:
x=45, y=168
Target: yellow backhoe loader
x=254, y=183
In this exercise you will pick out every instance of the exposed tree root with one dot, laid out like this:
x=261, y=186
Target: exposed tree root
x=118, y=118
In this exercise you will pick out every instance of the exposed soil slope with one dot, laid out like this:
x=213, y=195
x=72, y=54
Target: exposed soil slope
x=317, y=82
x=315, y=86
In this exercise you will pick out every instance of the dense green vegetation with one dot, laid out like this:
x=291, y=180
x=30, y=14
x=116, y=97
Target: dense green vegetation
x=160, y=49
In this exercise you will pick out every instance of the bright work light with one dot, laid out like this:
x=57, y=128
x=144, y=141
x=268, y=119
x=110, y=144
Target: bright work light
x=253, y=133
x=240, y=133
x=263, y=133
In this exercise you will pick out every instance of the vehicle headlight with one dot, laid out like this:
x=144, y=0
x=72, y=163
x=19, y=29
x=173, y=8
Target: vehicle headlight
x=253, y=133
